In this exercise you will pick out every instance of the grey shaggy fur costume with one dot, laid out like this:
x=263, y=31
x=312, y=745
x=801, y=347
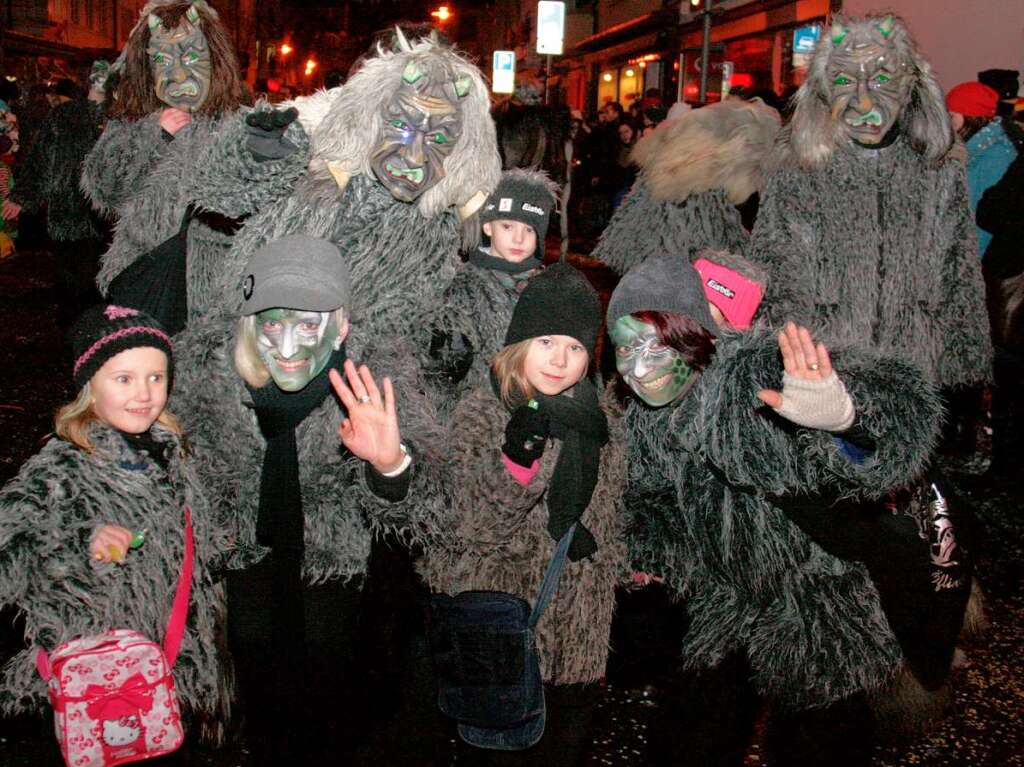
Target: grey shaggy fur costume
x=47, y=516
x=876, y=246
x=133, y=173
x=401, y=255
x=341, y=512
x=693, y=172
x=498, y=538
x=472, y=319
x=811, y=625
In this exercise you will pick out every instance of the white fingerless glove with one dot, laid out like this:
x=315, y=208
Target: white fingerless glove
x=824, y=405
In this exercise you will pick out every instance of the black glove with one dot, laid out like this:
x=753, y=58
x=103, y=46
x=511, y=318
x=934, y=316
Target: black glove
x=265, y=129
x=525, y=435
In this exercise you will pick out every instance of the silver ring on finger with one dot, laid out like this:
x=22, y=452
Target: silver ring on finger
x=364, y=399
x=813, y=366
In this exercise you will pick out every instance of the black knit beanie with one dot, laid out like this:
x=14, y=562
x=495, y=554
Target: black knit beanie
x=102, y=332
x=557, y=302
x=522, y=195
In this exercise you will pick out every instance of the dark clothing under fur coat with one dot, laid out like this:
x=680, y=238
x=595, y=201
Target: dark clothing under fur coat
x=498, y=538
x=48, y=514
x=52, y=169
x=811, y=625
x=341, y=512
x=877, y=247
x=148, y=182
x=469, y=330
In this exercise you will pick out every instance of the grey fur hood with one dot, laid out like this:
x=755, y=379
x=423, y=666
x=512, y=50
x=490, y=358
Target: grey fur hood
x=47, y=516
x=694, y=171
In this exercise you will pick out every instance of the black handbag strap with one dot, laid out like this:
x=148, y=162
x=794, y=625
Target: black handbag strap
x=549, y=585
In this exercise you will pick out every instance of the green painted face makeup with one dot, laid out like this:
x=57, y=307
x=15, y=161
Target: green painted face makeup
x=655, y=372
x=295, y=346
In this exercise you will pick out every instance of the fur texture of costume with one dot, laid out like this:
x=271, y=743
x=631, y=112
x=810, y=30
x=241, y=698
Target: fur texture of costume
x=64, y=139
x=341, y=512
x=811, y=625
x=469, y=328
x=499, y=540
x=47, y=516
x=876, y=246
x=148, y=183
x=693, y=171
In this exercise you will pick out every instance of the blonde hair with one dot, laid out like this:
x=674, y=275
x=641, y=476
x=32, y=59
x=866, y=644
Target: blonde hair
x=248, y=361
x=509, y=367
x=74, y=421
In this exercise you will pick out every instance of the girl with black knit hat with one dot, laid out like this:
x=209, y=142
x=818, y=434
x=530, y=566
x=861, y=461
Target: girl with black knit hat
x=92, y=530
x=532, y=454
x=736, y=459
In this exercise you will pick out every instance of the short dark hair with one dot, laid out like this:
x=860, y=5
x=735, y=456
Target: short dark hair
x=684, y=334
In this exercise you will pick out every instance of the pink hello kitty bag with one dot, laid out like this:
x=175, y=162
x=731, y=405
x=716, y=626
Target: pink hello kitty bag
x=113, y=693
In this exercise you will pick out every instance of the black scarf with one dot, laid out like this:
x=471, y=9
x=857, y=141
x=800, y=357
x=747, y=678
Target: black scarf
x=487, y=261
x=280, y=519
x=582, y=427
x=146, y=443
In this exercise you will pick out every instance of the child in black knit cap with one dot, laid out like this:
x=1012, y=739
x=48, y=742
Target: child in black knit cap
x=477, y=306
x=533, y=452
x=92, y=528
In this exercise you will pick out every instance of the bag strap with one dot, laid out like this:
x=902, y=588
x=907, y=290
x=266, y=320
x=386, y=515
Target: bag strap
x=549, y=585
x=179, y=610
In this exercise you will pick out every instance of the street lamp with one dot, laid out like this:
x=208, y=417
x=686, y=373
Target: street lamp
x=442, y=14
x=310, y=66
x=286, y=49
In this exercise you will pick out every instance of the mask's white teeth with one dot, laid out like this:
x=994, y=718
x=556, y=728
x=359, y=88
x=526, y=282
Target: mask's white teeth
x=657, y=383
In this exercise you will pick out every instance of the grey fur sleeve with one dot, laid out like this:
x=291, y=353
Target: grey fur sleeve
x=422, y=513
x=962, y=313
x=755, y=448
x=232, y=182
x=120, y=162
x=643, y=227
x=898, y=407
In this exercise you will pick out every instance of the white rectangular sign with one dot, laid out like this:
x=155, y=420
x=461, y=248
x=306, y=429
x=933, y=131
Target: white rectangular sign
x=503, y=72
x=550, y=27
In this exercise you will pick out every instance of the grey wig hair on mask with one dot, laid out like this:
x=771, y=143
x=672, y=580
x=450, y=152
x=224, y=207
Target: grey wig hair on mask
x=354, y=125
x=815, y=134
x=248, y=361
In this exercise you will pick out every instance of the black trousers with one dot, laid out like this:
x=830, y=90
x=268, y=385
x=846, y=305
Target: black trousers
x=77, y=263
x=708, y=718
x=305, y=700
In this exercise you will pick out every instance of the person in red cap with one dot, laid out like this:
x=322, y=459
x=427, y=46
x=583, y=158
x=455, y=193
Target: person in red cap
x=992, y=143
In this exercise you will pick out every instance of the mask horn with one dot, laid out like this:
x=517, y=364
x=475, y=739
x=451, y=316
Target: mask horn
x=463, y=86
x=192, y=14
x=839, y=32
x=403, y=42
x=887, y=25
x=153, y=21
